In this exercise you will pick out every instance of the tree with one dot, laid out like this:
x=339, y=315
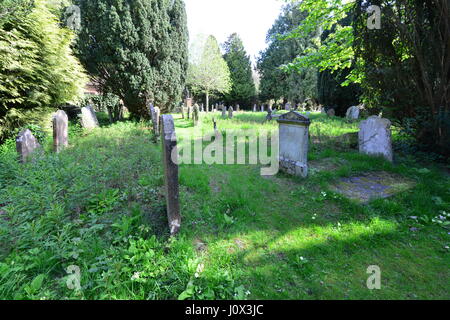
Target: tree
x=243, y=89
x=208, y=72
x=406, y=66
x=293, y=85
x=37, y=67
x=136, y=50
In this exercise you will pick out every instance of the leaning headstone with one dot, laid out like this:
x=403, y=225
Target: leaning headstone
x=352, y=113
x=169, y=146
x=230, y=112
x=195, y=114
x=88, y=118
x=331, y=112
x=293, y=135
x=26, y=144
x=60, y=130
x=375, y=137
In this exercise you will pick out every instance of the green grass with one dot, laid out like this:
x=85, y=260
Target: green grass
x=100, y=205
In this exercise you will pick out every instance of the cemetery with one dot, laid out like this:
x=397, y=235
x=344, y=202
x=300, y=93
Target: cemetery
x=119, y=198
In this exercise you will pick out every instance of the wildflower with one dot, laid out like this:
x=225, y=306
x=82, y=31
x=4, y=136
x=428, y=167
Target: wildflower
x=135, y=276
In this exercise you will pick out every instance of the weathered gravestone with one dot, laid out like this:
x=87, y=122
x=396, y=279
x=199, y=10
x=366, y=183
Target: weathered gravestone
x=262, y=108
x=254, y=108
x=154, y=114
x=293, y=135
x=170, y=162
x=375, y=137
x=60, y=130
x=238, y=108
x=202, y=109
x=88, y=118
x=195, y=114
x=230, y=112
x=352, y=113
x=26, y=144
x=224, y=112
x=287, y=106
x=331, y=112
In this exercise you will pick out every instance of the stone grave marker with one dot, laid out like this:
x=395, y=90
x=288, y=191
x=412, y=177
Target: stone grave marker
x=26, y=144
x=375, y=137
x=293, y=137
x=254, y=108
x=230, y=112
x=88, y=118
x=352, y=113
x=224, y=112
x=331, y=112
x=262, y=108
x=195, y=114
x=169, y=146
x=60, y=130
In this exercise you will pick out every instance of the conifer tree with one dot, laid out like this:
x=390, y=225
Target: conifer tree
x=243, y=89
x=136, y=49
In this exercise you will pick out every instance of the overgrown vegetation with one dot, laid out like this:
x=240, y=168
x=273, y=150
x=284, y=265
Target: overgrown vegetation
x=99, y=205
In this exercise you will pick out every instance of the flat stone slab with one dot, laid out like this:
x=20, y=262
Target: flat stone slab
x=372, y=185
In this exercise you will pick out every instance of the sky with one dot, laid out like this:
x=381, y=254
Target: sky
x=251, y=19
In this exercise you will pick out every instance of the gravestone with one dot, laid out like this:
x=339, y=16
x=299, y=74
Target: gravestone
x=269, y=115
x=262, y=108
x=331, y=112
x=375, y=137
x=202, y=109
x=60, y=130
x=287, y=106
x=88, y=118
x=254, y=108
x=224, y=112
x=230, y=112
x=169, y=146
x=189, y=112
x=26, y=144
x=195, y=114
x=238, y=108
x=352, y=113
x=293, y=135
x=154, y=114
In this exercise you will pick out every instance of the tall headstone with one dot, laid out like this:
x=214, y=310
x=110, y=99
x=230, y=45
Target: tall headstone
x=238, y=108
x=88, y=118
x=262, y=108
x=202, y=109
x=230, y=112
x=375, y=137
x=254, y=108
x=294, y=135
x=26, y=144
x=169, y=146
x=195, y=114
x=224, y=112
x=60, y=130
x=352, y=113
x=154, y=114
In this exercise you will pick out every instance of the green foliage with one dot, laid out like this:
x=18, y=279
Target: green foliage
x=136, y=50
x=276, y=83
x=37, y=67
x=406, y=68
x=208, y=72
x=243, y=89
